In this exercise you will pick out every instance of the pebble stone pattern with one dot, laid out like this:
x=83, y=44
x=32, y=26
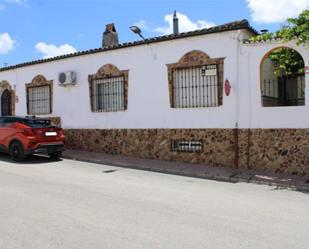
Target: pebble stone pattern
x=218, y=144
x=274, y=150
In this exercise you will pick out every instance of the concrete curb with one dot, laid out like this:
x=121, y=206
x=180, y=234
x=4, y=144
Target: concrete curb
x=157, y=170
x=228, y=177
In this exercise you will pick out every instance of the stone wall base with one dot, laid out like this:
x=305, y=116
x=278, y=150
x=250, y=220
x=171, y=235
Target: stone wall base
x=276, y=150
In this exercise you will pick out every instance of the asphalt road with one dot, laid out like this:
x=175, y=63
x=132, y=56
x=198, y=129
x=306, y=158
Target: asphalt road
x=69, y=204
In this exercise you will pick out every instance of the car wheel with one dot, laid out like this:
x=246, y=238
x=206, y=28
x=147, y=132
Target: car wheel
x=55, y=155
x=17, y=152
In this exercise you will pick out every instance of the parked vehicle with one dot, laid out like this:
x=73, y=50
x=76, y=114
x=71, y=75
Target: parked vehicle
x=23, y=136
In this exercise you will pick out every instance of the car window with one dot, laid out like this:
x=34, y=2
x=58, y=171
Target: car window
x=36, y=123
x=8, y=121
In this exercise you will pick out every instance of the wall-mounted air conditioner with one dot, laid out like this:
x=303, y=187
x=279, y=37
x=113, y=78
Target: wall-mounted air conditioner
x=67, y=78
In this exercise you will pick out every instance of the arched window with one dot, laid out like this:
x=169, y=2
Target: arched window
x=7, y=96
x=109, y=89
x=196, y=81
x=6, y=106
x=39, y=96
x=282, y=78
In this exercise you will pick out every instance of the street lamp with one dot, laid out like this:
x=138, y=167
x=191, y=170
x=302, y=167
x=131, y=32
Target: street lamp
x=137, y=30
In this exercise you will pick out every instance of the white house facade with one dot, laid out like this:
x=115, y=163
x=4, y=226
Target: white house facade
x=168, y=98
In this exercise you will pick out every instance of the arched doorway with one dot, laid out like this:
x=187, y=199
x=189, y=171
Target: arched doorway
x=6, y=107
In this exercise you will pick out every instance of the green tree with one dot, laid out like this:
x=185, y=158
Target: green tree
x=288, y=60
x=296, y=29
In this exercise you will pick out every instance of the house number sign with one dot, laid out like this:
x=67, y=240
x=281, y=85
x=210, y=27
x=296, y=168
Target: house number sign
x=209, y=70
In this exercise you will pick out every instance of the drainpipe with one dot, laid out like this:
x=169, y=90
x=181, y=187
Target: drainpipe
x=250, y=116
x=236, y=161
x=247, y=54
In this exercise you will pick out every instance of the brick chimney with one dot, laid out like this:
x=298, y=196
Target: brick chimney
x=110, y=36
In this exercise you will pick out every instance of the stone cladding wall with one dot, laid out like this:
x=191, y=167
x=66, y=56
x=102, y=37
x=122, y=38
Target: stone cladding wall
x=275, y=150
x=218, y=144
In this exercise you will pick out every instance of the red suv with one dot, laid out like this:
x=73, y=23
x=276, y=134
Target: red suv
x=22, y=136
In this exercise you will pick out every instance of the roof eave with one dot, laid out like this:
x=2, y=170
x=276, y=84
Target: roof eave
x=217, y=29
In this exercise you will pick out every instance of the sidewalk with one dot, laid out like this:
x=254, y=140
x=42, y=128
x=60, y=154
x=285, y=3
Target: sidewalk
x=193, y=170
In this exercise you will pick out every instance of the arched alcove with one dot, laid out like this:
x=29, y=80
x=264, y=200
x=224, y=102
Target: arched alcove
x=282, y=78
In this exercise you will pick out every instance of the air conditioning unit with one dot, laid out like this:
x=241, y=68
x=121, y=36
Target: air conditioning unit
x=67, y=78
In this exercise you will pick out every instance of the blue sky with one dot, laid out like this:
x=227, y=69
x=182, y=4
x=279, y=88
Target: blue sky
x=35, y=29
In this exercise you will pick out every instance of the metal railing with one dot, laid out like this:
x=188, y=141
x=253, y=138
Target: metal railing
x=284, y=91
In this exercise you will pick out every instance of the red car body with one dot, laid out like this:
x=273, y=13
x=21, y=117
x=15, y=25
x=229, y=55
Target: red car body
x=22, y=136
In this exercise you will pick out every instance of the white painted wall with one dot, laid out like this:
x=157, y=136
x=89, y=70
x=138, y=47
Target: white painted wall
x=148, y=97
x=253, y=114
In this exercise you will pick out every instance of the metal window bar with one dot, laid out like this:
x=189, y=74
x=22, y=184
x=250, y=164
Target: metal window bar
x=192, y=87
x=193, y=146
x=301, y=86
x=287, y=93
x=6, y=103
x=108, y=94
x=39, y=100
x=298, y=96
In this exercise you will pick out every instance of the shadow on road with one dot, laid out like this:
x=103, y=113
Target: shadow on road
x=33, y=159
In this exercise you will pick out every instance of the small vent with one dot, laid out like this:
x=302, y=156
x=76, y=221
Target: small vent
x=187, y=146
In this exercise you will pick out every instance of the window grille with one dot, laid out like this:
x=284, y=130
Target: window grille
x=286, y=91
x=108, y=94
x=39, y=100
x=6, y=105
x=196, y=86
x=187, y=146
x=300, y=86
x=271, y=88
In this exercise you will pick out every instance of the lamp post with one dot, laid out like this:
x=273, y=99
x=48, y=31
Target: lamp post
x=137, y=30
